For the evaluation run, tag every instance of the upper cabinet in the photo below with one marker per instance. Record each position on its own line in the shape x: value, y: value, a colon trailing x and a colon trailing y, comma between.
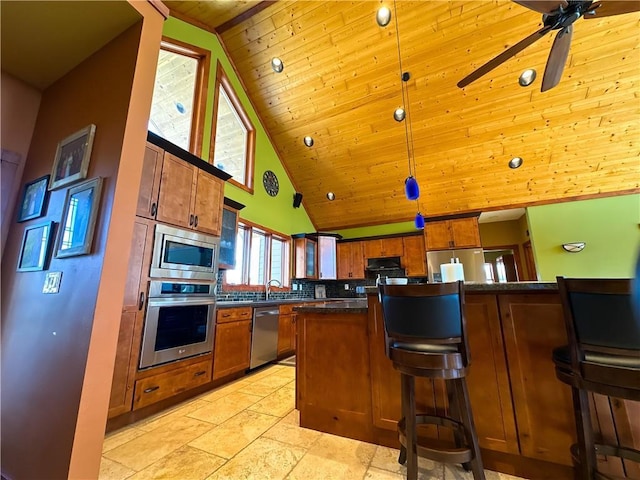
x: 414, y: 259
x: 315, y: 256
x: 327, y: 257
x: 229, y: 233
x: 305, y: 254
x: 383, y: 247
x: 350, y: 260
x: 448, y: 234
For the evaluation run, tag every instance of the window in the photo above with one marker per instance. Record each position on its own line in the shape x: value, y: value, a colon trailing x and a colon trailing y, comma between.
x: 233, y: 135
x: 258, y: 253
x: 177, y: 108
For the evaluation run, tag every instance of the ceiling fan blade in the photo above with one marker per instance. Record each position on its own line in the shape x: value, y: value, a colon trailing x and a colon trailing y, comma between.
x: 614, y: 7
x: 557, y: 58
x: 542, y: 6
x: 504, y: 56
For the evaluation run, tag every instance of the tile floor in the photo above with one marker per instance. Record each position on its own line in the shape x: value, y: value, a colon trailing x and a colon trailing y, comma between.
x: 248, y: 430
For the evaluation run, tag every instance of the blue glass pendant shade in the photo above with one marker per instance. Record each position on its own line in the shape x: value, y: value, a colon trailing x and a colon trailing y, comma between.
x: 411, y: 188
x: 419, y: 221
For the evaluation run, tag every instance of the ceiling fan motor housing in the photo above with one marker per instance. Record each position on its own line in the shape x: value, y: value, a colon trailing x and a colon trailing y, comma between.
x: 563, y: 17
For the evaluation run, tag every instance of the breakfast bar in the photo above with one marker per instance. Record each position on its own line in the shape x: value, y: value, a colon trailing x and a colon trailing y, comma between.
x: 523, y: 414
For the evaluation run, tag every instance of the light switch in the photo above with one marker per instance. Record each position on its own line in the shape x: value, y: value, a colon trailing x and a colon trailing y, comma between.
x: 52, y: 282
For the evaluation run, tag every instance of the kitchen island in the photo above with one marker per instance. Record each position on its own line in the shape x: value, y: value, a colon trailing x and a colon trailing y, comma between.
x: 523, y: 414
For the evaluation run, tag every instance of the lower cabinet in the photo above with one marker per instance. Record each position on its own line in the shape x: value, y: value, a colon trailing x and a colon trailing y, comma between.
x: 232, y: 344
x: 164, y: 385
x: 286, y: 330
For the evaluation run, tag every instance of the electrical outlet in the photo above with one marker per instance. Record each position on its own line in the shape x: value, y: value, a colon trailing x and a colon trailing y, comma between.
x: 346, y: 286
x: 295, y: 287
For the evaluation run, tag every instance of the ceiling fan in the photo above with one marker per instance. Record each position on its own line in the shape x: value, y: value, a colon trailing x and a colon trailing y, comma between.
x: 556, y: 15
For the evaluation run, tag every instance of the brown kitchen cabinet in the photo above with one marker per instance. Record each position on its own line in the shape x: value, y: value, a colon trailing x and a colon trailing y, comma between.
x: 232, y: 346
x: 150, y: 181
x: 383, y: 247
x: 286, y: 330
x: 189, y: 197
x: 305, y: 258
x: 414, y: 257
x: 447, y: 234
x: 350, y: 260
x: 132, y: 319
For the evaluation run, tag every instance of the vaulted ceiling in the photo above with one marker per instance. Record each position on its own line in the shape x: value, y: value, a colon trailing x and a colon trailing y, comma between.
x: 341, y: 84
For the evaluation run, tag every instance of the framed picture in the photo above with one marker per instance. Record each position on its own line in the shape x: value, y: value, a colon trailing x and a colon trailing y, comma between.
x: 35, y: 247
x: 79, y: 219
x: 34, y: 199
x: 72, y: 158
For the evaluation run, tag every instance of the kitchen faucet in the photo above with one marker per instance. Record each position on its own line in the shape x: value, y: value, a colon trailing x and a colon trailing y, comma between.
x: 267, y: 285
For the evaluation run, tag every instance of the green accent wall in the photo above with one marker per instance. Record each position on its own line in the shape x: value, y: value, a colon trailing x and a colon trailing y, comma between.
x: 609, y: 226
x: 276, y: 213
x: 375, y: 230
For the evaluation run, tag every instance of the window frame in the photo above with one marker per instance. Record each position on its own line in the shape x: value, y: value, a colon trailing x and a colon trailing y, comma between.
x: 222, y: 81
x: 201, y: 87
x: 248, y: 227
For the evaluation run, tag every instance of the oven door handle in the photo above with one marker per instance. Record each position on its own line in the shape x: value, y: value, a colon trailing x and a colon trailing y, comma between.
x: 180, y: 301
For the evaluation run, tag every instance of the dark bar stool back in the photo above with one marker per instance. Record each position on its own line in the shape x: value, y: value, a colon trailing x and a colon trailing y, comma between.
x: 603, y: 356
x: 426, y: 337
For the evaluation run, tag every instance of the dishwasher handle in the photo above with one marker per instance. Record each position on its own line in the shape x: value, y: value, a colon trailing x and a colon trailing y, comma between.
x: 263, y: 313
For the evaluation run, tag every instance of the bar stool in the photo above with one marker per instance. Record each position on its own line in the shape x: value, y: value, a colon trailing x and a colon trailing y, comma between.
x: 426, y: 337
x: 603, y: 356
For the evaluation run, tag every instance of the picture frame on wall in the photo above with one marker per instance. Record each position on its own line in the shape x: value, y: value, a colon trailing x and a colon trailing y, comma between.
x: 35, y: 247
x: 34, y: 199
x: 71, y: 162
x: 75, y: 234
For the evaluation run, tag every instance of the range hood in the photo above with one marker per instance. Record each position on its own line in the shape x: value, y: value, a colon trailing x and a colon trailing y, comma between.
x: 383, y: 264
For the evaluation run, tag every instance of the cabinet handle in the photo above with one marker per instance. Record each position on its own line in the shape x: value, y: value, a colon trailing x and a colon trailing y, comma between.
x: 225, y: 315
x: 154, y: 209
x: 141, y: 301
x: 195, y: 222
x: 199, y: 374
x: 151, y: 389
x: 190, y: 220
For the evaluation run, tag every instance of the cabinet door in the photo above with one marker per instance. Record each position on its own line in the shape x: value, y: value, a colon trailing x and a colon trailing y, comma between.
x: 465, y: 232
x: 372, y: 248
x: 174, y: 202
x: 285, y: 340
x: 533, y: 326
x: 310, y: 259
x: 139, y: 262
x: 357, y: 260
x: 228, y: 238
x: 414, y: 258
x: 232, y: 349
x: 207, y: 207
x: 437, y: 235
x: 343, y: 254
x: 150, y: 181
x: 327, y: 258
x: 392, y: 247
x: 488, y: 377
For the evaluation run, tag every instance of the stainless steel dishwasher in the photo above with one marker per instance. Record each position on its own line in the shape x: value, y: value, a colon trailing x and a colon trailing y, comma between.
x: 264, y: 340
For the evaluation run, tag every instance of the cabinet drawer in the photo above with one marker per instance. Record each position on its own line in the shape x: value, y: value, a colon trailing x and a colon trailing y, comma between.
x: 287, y: 309
x: 233, y: 314
x: 153, y: 389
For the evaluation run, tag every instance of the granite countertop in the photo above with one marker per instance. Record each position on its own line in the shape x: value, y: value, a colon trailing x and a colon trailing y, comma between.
x: 356, y: 305
x: 498, y: 287
x: 276, y: 301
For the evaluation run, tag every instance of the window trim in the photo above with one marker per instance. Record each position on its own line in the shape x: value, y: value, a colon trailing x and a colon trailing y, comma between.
x: 243, y: 287
x: 222, y: 81
x: 201, y: 87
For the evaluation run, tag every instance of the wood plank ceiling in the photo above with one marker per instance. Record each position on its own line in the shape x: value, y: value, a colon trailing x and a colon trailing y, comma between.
x: 341, y: 85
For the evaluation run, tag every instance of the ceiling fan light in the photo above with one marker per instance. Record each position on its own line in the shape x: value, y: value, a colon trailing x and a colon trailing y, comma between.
x: 411, y: 188
x: 399, y: 114
x: 308, y: 141
x: 527, y: 77
x: 277, y: 65
x: 383, y: 16
x: 515, y: 162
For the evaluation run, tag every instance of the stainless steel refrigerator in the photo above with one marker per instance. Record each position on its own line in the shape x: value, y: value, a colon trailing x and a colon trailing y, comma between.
x: 472, y: 260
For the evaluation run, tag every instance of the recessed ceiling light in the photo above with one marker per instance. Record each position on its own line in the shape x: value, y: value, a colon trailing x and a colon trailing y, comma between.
x: 308, y: 141
x: 527, y: 77
x: 331, y: 196
x: 383, y: 16
x: 515, y: 162
x: 399, y: 114
x: 277, y: 65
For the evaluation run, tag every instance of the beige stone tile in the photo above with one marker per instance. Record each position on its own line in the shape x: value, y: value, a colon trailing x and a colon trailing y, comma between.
x: 291, y: 384
x: 186, y: 463
x: 377, y: 474
x: 279, y: 403
x: 263, y: 459
x: 387, y: 459
x: 224, y: 408
x: 110, y: 470
x: 288, y: 431
x: 276, y: 381
x: 336, y: 458
x: 456, y: 472
x: 152, y: 446
x: 236, y: 433
x: 260, y: 374
x: 225, y: 390
x: 169, y: 416
x: 120, y: 437
x: 258, y: 389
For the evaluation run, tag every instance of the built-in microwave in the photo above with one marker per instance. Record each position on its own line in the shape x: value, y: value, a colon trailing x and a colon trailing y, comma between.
x: 179, y: 321
x: 184, y: 254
